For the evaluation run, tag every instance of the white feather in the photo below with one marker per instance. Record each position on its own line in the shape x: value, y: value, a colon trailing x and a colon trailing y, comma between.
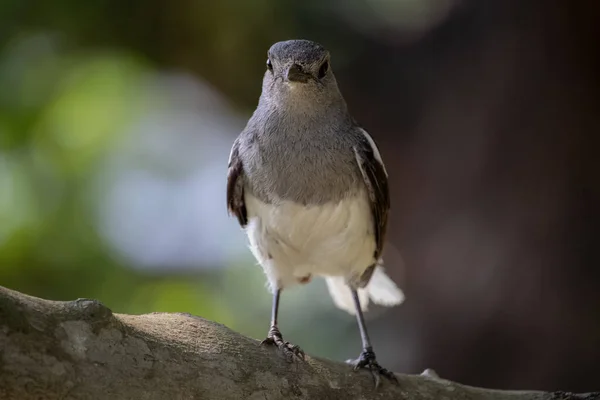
x: 342, y: 297
x: 334, y: 240
x: 292, y: 241
x: 381, y: 290
x: 375, y: 150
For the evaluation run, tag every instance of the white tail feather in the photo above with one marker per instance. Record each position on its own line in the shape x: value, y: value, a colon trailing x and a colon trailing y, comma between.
x: 381, y: 290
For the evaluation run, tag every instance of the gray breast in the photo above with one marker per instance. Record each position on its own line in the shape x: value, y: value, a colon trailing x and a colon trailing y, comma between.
x: 308, y: 162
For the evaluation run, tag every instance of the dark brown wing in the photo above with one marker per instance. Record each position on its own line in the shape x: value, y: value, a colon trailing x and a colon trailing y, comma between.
x: 376, y: 181
x: 235, y: 186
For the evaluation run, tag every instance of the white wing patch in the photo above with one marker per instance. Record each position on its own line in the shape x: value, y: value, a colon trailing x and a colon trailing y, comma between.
x: 374, y: 149
x: 231, y: 153
x: 359, y: 160
x: 368, y: 183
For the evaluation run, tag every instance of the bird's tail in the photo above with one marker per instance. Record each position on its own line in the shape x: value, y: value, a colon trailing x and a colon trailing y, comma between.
x: 381, y: 290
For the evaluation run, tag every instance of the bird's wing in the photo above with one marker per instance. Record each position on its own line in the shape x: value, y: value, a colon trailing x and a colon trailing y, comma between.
x: 235, y: 186
x: 376, y: 181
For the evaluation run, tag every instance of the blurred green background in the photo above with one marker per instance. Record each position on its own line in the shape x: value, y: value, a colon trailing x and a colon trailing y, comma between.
x: 116, y: 121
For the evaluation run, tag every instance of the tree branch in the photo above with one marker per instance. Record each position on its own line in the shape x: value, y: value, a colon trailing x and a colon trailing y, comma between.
x: 81, y: 350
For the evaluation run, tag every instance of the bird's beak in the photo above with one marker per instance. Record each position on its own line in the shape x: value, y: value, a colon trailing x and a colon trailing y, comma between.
x: 295, y: 74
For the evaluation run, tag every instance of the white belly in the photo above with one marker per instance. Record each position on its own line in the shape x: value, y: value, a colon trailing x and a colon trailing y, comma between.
x: 292, y: 242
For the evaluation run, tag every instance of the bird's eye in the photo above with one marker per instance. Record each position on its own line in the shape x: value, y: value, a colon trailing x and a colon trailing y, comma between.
x: 323, y: 70
x: 269, y: 64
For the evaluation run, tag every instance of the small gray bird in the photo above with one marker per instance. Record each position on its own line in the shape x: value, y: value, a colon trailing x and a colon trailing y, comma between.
x: 309, y: 187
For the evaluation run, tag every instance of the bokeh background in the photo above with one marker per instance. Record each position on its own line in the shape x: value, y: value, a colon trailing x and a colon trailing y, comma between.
x: 116, y: 120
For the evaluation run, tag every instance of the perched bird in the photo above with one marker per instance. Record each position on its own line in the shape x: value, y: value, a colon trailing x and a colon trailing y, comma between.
x: 309, y: 187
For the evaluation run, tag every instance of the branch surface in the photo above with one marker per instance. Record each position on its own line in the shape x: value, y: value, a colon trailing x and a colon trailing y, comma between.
x: 81, y: 350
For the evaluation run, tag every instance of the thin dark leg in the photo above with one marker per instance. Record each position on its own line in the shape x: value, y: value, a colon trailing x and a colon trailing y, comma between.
x: 367, y: 357
x: 362, y: 327
x: 274, y: 336
x: 275, y: 309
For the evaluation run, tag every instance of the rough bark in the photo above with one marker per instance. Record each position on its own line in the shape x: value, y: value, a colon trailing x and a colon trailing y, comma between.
x: 81, y: 350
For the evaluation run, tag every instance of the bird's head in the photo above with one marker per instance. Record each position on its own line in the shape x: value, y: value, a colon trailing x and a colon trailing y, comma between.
x: 299, y: 71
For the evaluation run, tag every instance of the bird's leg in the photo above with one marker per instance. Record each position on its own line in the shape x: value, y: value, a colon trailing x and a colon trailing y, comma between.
x: 367, y: 356
x: 289, y: 351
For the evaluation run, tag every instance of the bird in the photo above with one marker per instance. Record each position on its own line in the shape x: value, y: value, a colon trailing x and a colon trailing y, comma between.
x: 309, y: 187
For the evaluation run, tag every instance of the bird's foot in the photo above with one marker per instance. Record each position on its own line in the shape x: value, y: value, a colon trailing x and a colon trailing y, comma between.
x: 367, y: 360
x: 288, y: 350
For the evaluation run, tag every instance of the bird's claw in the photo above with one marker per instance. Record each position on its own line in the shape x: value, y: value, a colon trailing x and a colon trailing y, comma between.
x: 288, y: 350
x: 368, y: 361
